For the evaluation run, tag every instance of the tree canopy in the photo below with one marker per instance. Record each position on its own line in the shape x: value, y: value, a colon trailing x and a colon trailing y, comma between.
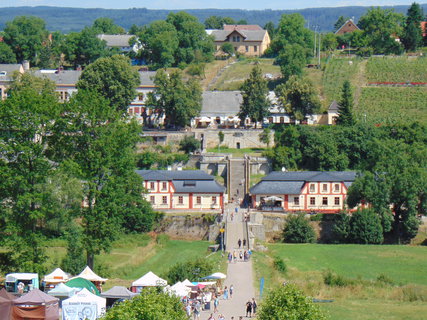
x: 114, y: 78
x: 177, y: 100
x: 255, y: 104
x: 345, y: 106
x: 412, y: 37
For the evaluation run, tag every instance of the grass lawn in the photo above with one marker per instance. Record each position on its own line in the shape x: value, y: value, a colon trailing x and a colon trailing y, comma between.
x: 134, y: 255
x: 234, y: 76
x: 403, y: 298
x: 238, y: 152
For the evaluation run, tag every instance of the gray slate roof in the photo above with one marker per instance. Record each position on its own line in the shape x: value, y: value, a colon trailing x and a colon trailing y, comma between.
x: 278, y: 182
x: 220, y: 103
x: 146, y: 78
x: 184, y: 181
x: 116, y: 40
x: 333, y: 107
x: 60, y: 77
x: 9, y: 69
x: 248, y: 35
x: 277, y: 187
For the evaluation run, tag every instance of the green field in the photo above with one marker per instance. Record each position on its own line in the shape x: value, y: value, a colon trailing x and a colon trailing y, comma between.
x: 233, y: 77
x: 337, y: 71
x: 134, y: 255
x: 404, y: 267
x: 238, y: 152
x: 393, y: 104
x: 396, y: 69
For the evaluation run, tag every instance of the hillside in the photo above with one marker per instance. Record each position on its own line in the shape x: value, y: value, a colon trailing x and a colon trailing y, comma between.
x: 375, y: 103
x: 75, y: 19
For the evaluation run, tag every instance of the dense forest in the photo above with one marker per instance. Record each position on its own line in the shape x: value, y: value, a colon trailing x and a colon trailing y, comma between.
x: 75, y: 19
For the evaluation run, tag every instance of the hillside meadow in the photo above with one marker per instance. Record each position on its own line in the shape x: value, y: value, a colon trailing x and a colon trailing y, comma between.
x: 371, y: 282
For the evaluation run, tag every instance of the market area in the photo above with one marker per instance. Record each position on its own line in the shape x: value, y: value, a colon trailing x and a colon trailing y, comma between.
x: 60, y: 296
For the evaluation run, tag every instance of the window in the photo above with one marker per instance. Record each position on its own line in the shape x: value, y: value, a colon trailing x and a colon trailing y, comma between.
x: 337, y: 201
x: 238, y: 38
x: 337, y: 187
x: 140, y: 96
x: 151, y: 185
x: 296, y: 201
x: 325, y: 201
x: 255, y: 48
x: 164, y: 200
x: 247, y: 49
x: 152, y: 199
x: 312, y: 187
x: 312, y: 201
x: 213, y: 200
x: 199, y: 200
x: 324, y: 187
x: 164, y: 185
x: 180, y: 200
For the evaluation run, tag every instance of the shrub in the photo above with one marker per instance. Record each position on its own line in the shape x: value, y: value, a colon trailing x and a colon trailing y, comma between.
x: 150, y: 304
x: 341, y: 228
x: 288, y: 302
x: 335, y: 280
x: 191, y: 269
x: 383, y: 279
x: 279, y: 265
x: 189, y: 144
x: 365, y: 227
x: 298, y: 229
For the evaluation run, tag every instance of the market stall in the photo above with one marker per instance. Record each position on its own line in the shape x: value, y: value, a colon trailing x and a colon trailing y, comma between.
x: 83, y: 305
x: 148, y: 280
x: 35, y: 305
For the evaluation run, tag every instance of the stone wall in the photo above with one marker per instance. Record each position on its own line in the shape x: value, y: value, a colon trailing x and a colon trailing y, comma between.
x: 188, y: 227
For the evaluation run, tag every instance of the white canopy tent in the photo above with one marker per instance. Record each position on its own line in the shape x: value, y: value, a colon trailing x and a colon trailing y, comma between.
x: 187, y: 283
x: 56, y: 276
x: 88, y: 274
x: 83, y: 305
x: 148, y: 280
x: 180, y: 289
x: 215, y: 276
x: 62, y: 290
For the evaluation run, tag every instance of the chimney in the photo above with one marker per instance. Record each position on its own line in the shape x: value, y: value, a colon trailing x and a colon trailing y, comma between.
x: 26, y: 65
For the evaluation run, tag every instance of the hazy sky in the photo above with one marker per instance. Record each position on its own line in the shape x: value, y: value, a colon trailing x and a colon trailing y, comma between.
x: 197, y: 4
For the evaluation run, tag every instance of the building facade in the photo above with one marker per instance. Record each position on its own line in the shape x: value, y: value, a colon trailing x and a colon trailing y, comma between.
x: 182, y: 190
x: 249, y: 40
x: 307, y: 191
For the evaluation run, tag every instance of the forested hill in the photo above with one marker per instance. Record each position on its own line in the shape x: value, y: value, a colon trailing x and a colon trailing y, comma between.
x: 74, y: 19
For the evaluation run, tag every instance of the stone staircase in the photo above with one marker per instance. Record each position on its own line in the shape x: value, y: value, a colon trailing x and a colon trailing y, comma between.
x: 236, y: 179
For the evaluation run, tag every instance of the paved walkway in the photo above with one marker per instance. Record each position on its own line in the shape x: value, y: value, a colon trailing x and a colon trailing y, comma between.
x: 239, y: 274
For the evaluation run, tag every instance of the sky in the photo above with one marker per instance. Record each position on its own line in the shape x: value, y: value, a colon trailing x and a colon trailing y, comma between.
x: 200, y: 4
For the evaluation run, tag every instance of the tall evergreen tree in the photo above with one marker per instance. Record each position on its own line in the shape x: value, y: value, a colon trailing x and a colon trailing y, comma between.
x: 412, y: 34
x: 255, y: 102
x: 345, y: 108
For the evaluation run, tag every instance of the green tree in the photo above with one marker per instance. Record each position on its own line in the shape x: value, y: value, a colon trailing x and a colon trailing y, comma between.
x: 298, y: 97
x: 365, y: 227
x: 106, y: 26
x: 264, y: 136
x: 217, y: 22
x: 340, y: 21
x: 112, y: 189
x: 179, y: 101
x: 74, y: 261
x: 345, y: 106
x: 291, y: 32
x: 160, y: 41
x: 193, y: 270
x: 26, y: 119
x: 228, y: 48
x: 150, y: 304
x: 255, y: 104
x: 329, y: 42
x: 6, y: 54
x: 192, y: 38
x: 380, y: 27
x: 298, y: 229
x: 412, y: 37
x: 189, y: 144
x: 341, y: 228
x: 288, y: 302
x: 220, y: 138
x: 114, y: 78
x: 395, y: 178
x: 271, y: 28
x: 83, y: 48
x: 26, y: 37
x: 292, y: 61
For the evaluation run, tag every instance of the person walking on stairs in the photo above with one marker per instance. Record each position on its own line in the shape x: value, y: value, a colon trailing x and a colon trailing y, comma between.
x: 249, y: 308
x: 239, y: 242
